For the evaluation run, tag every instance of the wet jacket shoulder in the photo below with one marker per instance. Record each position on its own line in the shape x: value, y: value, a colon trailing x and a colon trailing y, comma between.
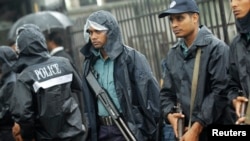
x: 63, y: 53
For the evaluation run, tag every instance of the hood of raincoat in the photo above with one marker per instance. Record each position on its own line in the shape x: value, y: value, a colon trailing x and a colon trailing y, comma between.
x: 31, y: 46
x: 113, y: 46
x: 7, y: 58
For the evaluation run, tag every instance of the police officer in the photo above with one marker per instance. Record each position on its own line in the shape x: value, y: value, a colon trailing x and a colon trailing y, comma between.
x: 7, y: 82
x: 45, y: 103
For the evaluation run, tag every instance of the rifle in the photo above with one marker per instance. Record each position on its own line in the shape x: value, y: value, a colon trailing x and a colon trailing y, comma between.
x: 244, y: 109
x: 110, y: 107
x: 180, y: 122
x: 243, y: 106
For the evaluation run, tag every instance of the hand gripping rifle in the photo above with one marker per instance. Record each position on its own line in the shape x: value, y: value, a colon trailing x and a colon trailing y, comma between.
x: 110, y: 107
x: 245, y: 109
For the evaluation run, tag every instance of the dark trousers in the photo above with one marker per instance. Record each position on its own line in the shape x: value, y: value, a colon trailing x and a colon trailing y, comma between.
x: 110, y: 133
x: 168, y: 134
x: 6, y: 135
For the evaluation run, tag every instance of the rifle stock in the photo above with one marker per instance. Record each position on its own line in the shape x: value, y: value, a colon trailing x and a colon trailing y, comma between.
x: 108, y: 104
x: 110, y: 107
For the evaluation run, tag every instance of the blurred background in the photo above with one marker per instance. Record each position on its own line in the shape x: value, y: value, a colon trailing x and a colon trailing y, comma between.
x: 138, y: 19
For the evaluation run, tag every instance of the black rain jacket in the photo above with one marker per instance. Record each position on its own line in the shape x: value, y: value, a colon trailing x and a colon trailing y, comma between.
x: 136, y: 87
x: 240, y: 60
x: 44, y: 103
x: 211, y: 98
x: 7, y: 82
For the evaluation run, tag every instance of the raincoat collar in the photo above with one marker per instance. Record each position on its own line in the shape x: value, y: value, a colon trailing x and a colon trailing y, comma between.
x: 243, y: 24
x: 204, y: 36
x: 57, y: 49
x: 114, y: 45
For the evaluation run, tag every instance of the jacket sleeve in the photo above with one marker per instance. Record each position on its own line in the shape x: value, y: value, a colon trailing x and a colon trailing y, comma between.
x: 22, y: 109
x: 167, y: 94
x: 234, y: 82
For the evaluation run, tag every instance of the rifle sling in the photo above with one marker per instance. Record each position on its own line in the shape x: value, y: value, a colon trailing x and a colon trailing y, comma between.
x: 194, y: 83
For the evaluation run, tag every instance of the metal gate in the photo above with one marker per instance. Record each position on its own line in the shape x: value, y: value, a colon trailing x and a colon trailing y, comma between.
x: 143, y: 30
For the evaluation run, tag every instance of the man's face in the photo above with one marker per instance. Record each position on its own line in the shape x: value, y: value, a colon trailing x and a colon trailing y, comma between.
x: 183, y: 24
x: 240, y: 8
x: 49, y: 45
x: 98, y: 37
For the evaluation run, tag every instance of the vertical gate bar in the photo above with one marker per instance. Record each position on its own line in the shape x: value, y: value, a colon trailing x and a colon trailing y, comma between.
x: 216, y: 19
x: 154, y: 46
x: 210, y: 16
x: 224, y: 21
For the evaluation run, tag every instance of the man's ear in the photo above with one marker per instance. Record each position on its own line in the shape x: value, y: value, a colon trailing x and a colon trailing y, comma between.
x: 195, y: 17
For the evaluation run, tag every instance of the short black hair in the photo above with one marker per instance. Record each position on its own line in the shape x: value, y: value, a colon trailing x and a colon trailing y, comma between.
x: 11, y: 42
x: 56, y: 37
